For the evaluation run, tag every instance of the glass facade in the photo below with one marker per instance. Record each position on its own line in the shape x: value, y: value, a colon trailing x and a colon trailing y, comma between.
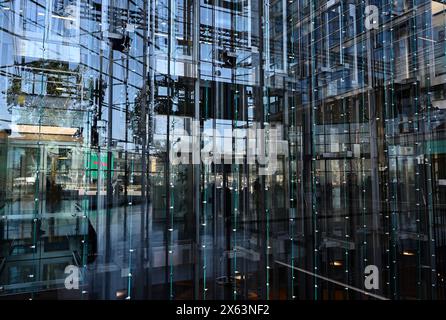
x: 222, y: 149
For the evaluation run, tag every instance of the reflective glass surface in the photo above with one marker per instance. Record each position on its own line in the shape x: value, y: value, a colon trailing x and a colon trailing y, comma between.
x: 222, y: 149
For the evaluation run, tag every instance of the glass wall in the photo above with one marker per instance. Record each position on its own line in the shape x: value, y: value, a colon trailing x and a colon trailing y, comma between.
x: 213, y: 149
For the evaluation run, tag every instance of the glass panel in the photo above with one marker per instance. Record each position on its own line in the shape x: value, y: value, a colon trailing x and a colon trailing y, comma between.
x: 222, y: 149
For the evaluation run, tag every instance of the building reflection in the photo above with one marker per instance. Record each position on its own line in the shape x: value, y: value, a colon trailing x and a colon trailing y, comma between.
x: 98, y: 96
